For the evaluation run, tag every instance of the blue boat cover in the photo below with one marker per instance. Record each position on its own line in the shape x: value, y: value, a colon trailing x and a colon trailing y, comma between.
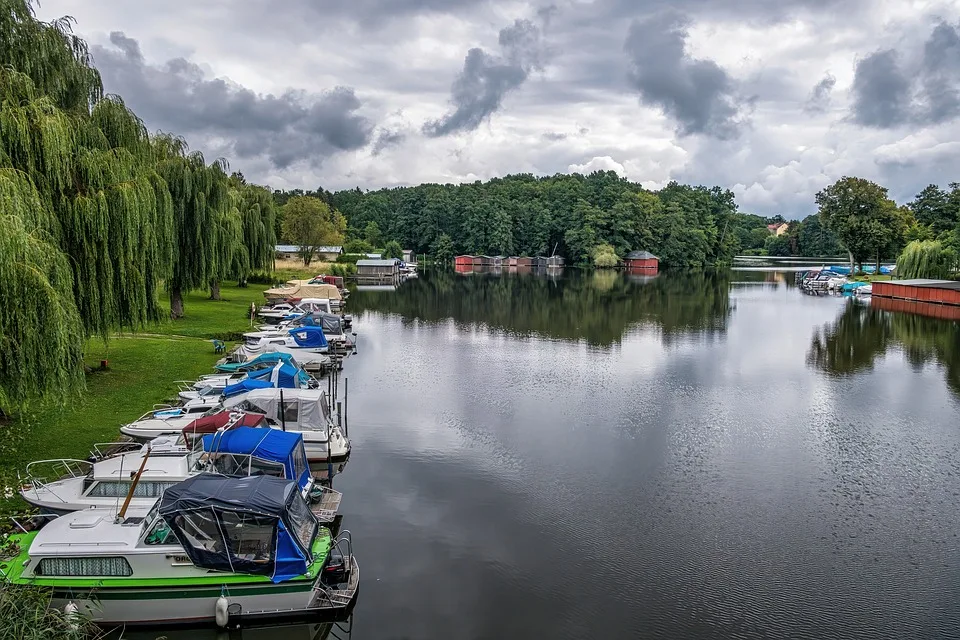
x: 245, y: 385
x: 212, y: 516
x: 284, y: 447
x: 309, y: 337
x: 288, y: 376
x: 263, y: 360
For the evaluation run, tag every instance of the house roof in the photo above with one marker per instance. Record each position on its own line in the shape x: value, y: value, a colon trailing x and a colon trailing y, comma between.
x: 377, y: 263
x: 292, y: 248
x: 640, y: 255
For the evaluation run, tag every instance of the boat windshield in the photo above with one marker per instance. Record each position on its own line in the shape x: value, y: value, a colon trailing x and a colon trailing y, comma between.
x: 156, y: 529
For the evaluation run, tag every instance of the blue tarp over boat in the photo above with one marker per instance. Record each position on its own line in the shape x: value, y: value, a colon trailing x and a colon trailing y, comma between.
x: 287, y: 376
x: 311, y: 337
x: 245, y: 385
x: 284, y: 447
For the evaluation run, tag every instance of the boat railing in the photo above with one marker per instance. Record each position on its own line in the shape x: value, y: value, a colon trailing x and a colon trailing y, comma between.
x: 38, y: 472
x: 103, y: 450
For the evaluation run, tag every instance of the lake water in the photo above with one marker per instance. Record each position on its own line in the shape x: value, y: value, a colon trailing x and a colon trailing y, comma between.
x: 690, y: 456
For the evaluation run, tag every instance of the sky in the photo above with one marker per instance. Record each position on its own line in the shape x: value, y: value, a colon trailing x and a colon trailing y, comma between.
x: 771, y: 99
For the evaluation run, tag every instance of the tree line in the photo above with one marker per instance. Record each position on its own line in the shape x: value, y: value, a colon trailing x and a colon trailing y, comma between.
x: 597, y: 219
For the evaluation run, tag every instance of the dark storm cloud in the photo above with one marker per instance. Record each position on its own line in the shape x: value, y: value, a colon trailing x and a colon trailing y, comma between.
x: 888, y: 93
x: 881, y: 91
x: 177, y: 97
x: 698, y: 94
x: 387, y: 138
x: 479, y: 89
x: 941, y: 75
x: 820, y: 96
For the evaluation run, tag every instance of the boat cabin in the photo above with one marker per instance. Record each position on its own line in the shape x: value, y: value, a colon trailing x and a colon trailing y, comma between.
x: 258, y: 525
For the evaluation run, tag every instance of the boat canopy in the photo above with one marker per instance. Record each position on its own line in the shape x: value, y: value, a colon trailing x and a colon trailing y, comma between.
x: 309, y: 337
x: 283, y: 447
x: 328, y: 322
x: 283, y: 375
x: 298, y: 410
x: 244, y: 386
x: 257, y: 524
x: 263, y: 360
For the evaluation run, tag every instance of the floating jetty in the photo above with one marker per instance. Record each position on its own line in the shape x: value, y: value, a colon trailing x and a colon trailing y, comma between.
x: 946, y: 292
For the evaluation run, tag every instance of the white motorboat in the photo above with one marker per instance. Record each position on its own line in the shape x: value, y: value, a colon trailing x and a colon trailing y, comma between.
x: 307, y: 345
x: 239, y: 451
x: 166, y: 420
x: 212, y: 549
x: 306, y: 411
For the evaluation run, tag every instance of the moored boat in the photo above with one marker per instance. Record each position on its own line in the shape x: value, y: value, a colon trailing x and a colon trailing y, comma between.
x: 239, y: 451
x: 211, y: 550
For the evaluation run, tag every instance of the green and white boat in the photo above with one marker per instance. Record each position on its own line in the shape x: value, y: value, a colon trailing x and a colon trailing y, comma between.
x: 213, y: 549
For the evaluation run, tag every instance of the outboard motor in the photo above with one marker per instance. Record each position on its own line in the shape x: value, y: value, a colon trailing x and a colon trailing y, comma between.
x: 335, y: 570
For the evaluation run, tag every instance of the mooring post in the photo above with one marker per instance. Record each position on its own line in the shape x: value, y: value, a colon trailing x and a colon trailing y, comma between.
x: 346, y: 400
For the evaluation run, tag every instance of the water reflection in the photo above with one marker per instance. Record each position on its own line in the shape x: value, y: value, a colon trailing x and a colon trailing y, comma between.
x: 330, y: 630
x: 866, y: 331
x: 598, y: 307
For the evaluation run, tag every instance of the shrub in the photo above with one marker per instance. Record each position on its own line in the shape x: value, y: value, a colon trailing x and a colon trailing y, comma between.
x: 605, y: 257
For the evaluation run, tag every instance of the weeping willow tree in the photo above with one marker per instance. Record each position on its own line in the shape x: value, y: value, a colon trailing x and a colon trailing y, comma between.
x: 926, y: 259
x: 205, y: 227
x: 40, y: 329
x: 87, y: 220
x: 258, y: 212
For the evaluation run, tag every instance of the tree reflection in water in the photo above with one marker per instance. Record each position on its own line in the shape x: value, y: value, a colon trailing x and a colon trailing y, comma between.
x: 863, y: 333
x: 598, y: 307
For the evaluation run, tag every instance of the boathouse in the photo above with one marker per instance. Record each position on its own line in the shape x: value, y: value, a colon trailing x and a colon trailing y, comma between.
x: 920, y: 290
x: 641, y: 261
x: 378, y: 269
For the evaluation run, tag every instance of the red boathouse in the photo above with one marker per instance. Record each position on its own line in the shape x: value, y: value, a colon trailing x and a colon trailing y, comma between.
x: 643, y: 261
x: 921, y: 290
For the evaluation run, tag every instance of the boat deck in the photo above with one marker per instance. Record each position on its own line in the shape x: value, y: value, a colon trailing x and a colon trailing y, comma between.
x: 325, y: 509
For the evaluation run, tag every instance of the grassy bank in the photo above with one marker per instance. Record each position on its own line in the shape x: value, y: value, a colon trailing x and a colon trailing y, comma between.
x: 142, y: 371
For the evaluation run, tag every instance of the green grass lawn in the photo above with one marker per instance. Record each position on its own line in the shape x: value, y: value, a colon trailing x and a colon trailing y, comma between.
x: 205, y: 318
x: 142, y: 371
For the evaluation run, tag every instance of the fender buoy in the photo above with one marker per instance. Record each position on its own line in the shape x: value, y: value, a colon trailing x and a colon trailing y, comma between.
x: 72, y: 614
x: 222, y: 613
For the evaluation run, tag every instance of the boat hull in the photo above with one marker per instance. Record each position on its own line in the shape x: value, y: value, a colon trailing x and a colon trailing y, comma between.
x: 186, y: 605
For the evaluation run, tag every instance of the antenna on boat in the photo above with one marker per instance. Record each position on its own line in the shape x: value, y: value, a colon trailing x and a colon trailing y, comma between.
x: 133, y: 487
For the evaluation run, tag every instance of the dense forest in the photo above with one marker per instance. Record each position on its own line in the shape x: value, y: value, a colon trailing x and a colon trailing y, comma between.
x: 571, y: 215
x: 583, y: 217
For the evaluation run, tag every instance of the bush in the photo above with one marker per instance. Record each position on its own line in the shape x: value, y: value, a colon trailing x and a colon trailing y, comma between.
x: 393, y: 250
x: 26, y: 615
x: 351, y: 258
x: 605, y: 257
x: 357, y: 246
x: 343, y: 270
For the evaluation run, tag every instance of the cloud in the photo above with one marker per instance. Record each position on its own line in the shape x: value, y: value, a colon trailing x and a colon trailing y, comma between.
x: 600, y: 163
x: 893, y: 88
x: 881, y: 91
x: 820, y: 96
x: 697, y: 93
x: 387, y: 138
x: 178, y: 97
x: 940, y: 75
x: 478, y: 91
